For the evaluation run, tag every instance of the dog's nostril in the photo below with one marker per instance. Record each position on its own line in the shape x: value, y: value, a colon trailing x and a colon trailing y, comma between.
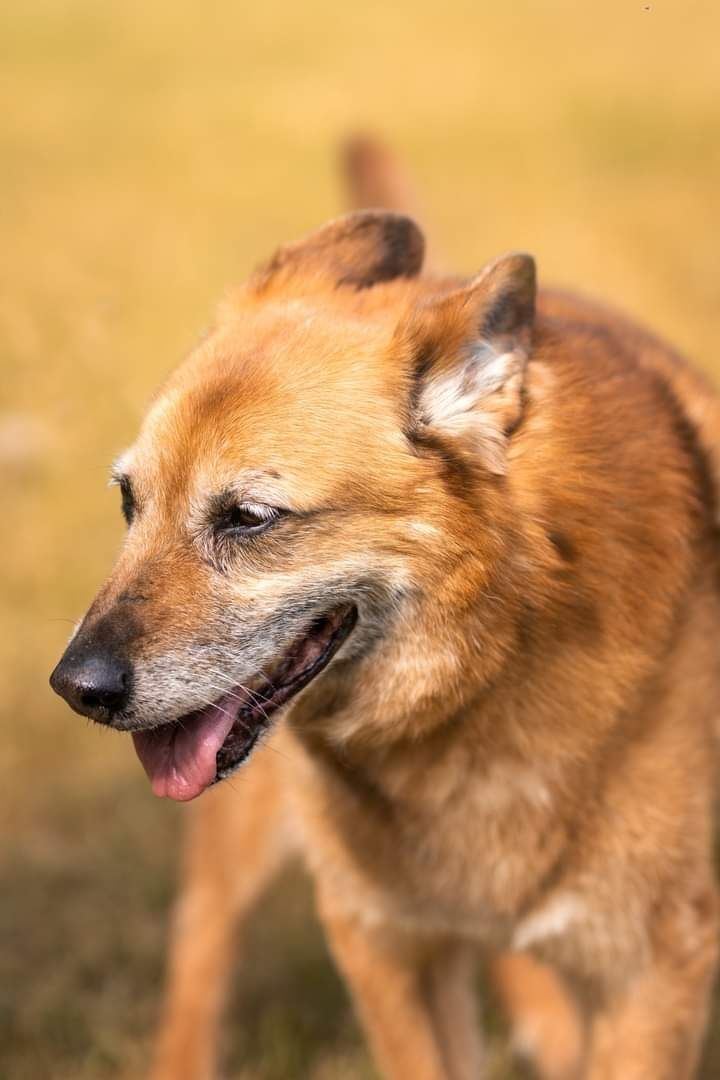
x: 94, y: 684
x: 94, y: 697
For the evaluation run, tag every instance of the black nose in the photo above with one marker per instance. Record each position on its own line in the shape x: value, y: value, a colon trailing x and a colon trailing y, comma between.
x: 94, y: 683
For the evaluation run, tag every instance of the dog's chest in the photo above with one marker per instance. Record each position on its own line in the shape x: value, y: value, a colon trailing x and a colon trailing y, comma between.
x: 441, y: 849
x: 479, y: 856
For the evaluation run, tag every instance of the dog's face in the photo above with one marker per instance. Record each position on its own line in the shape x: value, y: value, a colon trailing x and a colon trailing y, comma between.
x: 300, y: 488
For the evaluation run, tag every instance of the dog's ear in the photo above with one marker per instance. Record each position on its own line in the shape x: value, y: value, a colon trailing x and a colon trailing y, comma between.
x: 357, y: 250
x: 468, y: 351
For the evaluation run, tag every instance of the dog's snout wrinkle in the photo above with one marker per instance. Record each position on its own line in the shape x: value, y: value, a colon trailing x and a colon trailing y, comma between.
x: 131, y: 597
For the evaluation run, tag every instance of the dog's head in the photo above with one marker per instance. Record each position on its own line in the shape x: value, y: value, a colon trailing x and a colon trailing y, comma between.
x: 313, y: 488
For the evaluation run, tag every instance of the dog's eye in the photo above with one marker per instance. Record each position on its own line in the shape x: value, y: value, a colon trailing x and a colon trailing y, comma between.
x: 127, y: 500
x: 245, y: 519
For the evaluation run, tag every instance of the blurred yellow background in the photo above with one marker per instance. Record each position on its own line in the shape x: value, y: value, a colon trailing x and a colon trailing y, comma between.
x: 150, y: 154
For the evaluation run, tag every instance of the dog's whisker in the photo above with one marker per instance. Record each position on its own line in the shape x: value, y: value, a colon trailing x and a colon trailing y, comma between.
x: 256, y: 695
x: 231, y: 683
x: 237, y: 718
x: 238, y: 697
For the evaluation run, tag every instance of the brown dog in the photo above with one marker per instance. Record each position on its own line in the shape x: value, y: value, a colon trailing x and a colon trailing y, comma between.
x: 473, y: 538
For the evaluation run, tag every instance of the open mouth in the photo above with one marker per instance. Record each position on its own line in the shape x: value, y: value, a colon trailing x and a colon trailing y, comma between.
x: 185, y: 757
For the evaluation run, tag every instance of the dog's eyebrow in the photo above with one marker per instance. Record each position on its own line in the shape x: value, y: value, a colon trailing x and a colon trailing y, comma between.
x: 259, y: 484
x: 117, y: 476
x: 119, y: 469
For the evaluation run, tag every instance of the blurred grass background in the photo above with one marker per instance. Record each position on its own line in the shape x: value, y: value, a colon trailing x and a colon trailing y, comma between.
x: 150, y: 154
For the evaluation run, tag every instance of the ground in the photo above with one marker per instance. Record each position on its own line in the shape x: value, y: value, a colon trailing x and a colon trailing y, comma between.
x: 151, y: 154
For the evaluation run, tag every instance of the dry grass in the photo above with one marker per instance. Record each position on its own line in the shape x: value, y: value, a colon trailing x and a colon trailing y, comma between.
x: 150, y: 154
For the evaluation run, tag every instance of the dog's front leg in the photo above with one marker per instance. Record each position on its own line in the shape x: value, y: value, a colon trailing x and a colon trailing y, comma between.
x: 453, y: 999
x: 415, y: 998
x: 547, y: 1024
x: 236, y: 843
x: 652, y: 1029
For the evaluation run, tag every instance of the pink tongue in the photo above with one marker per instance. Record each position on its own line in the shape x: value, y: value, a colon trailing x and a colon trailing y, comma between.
x: 180, y: 760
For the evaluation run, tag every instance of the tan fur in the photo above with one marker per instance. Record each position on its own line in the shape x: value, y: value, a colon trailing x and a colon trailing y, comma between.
x: 514, y: 749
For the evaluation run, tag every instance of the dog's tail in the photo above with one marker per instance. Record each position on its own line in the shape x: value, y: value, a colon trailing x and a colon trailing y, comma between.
x: 374, y: 177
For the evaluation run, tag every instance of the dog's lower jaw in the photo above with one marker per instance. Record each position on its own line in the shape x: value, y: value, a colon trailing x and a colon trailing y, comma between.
x: 185, y: 757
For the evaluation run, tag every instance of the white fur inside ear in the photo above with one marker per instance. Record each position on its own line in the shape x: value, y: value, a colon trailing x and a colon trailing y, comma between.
x: 469, y: 399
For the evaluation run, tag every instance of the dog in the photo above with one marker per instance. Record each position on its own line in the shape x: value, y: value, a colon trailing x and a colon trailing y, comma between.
x: 450, y: 546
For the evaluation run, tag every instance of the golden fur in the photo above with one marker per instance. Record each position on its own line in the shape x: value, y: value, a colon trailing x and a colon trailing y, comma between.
x: 515, y: 748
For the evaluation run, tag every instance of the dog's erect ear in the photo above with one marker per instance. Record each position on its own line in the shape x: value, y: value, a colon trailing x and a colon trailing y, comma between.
x: 357, y: 250
x: 469, y: 350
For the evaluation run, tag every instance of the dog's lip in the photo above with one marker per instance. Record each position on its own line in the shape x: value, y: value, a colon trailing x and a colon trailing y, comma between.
x: 186, y: 756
